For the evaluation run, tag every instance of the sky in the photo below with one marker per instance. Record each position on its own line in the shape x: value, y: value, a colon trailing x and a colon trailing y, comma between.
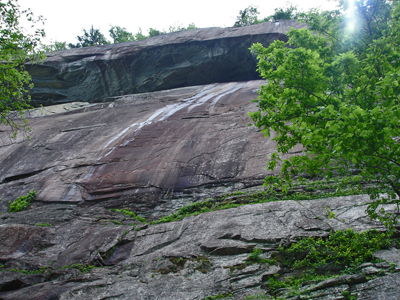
x: 66, y: 19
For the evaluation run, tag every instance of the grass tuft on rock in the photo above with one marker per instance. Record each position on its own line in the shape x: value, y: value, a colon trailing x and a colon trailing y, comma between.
x: 237, y: 199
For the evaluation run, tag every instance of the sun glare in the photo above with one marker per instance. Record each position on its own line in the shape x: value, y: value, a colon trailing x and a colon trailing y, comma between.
x: 351, y: 25
x: 351, y: 16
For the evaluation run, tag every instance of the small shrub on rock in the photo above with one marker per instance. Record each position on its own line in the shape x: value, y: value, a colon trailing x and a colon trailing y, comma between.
x: 342, y: 248
x: 22, y: 202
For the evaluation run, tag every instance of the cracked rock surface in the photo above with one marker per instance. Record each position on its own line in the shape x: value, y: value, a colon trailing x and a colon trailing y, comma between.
x: 153, y: 152
x: 190, y: 259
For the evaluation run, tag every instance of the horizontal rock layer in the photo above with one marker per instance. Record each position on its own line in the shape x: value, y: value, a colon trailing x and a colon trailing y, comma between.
x: 186, y: 58
x: 190, y: 259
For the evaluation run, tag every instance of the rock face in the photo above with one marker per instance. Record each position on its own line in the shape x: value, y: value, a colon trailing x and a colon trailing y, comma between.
x: 175, y: 145
x: 154, y: 153
x: 186, y: 58
x: 197, y: 257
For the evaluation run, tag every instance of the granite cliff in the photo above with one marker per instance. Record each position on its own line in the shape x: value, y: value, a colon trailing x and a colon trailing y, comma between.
x: 180, y: 59
x: 145, y: 130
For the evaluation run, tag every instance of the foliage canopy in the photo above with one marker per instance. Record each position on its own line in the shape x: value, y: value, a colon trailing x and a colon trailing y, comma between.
x: 55, y: 46
x: 246, y: 17
x: 334, y: 89
x: 120, y: 35
x: 91, y: 37
x: 249, y: 16
x: 285, y: 13
x: 16, y: 48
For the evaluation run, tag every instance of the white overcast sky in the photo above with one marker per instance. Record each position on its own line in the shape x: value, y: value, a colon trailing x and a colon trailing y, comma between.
x: 66, y: 19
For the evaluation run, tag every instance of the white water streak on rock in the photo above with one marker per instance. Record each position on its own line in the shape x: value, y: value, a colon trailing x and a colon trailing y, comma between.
x: 109, y: 152
x: 90, y: 173
x: 236, y: 87
x: 171, y: 109
x: 119, y: 134
x: 202, y: 101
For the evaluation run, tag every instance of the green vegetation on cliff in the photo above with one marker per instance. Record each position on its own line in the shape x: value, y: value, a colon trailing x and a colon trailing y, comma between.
x: 314, y: 190
x: 118, y: 34
x: 310, y: 264
x: 249, y: 16
x: 91, y: 37
x: 16, y: 47
x: 22, y: 203
x: 335, y: 89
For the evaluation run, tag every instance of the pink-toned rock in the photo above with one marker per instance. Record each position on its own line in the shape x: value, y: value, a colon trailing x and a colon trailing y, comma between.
x: 149, y: 151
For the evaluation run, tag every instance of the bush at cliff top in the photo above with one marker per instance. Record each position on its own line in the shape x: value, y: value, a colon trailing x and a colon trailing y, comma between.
x: 334, y: 89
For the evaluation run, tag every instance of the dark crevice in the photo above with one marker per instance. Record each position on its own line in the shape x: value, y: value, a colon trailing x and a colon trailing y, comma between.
x: 269, y: 241
x: 159, y: 246
x: 83, y: 127
x: 197, y: 117
x: 96, y: 164
x: 12, y: 285
x: 22, y: 176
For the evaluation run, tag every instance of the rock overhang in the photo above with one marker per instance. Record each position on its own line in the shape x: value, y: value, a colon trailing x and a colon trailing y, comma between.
x: 186, y: 58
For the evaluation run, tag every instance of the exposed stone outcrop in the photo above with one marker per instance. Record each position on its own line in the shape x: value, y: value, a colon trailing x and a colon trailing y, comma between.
x: 178, y: 145
x: 190, y: 259
x: 154, y: 153
x: 186, y: 58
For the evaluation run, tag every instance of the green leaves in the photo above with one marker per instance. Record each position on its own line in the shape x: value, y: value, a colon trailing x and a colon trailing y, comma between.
x: 246, y: 17
x: 341, y: 248
x: 22, y: 203
x: 120, y: 34
x: 93, y: 37
x: 336, y: 93
x: 16, y: 48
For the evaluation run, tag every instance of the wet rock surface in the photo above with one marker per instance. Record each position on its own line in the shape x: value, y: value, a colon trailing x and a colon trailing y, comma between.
x: 196, y: 257
x: 153, y: 152
x: 186, y: 58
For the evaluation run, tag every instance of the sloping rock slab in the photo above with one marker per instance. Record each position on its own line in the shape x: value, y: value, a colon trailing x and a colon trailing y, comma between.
x: 174, y: 145
x: 186, y: 58
x: 189, y: 259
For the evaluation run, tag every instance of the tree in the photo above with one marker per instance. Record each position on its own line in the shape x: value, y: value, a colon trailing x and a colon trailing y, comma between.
x: 93, y: 37
x: 155, y: 32
x: 58, y: 46
x: 55, y: 46
x: 178, y: 27
x: 120, y: 35
x: 139, y: 35
x: 246, y: 17
x: 334, y: 89
x: 284, y: 13
x: 16, y: 48
x: 191, y: 26
x: 249, y: 16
